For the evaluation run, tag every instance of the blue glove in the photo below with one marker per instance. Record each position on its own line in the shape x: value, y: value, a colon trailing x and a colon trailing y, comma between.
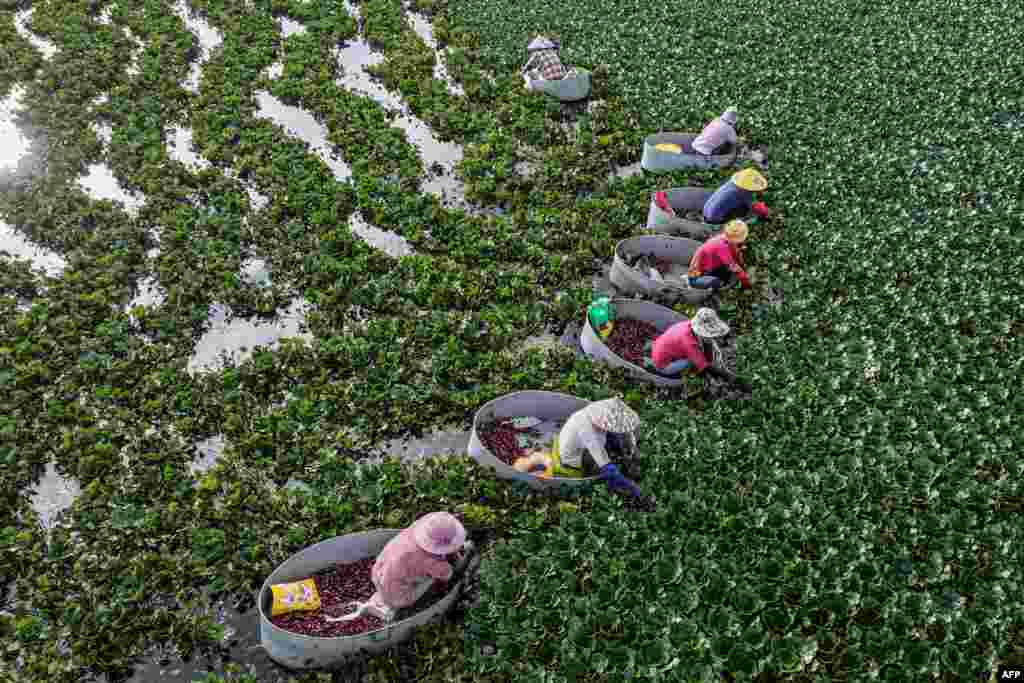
x: 616, y: 482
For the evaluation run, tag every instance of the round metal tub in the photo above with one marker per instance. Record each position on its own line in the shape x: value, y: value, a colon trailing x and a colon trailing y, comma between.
x: 678, y: 250
x: 546, y: 405
x: 682, y: 200
x: 569, y: 89
x: 297, y: 651
x: 659, y: 316
x: 657, y: 161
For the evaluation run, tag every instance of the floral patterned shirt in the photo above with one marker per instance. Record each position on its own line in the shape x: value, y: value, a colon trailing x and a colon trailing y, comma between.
x: 401, y: 567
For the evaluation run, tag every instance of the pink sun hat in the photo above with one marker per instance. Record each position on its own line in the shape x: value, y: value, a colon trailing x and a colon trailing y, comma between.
x: 439, y: 533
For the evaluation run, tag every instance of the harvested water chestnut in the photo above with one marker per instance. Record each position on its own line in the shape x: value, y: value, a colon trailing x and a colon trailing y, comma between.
x: 629, y: 337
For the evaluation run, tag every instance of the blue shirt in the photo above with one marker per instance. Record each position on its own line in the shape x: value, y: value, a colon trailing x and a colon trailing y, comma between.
x: 726, y: 199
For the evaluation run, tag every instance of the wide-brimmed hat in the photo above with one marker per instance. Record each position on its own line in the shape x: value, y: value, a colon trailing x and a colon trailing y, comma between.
x: 736, y: 231
x: 543, y: 43
x: 707, y: 324
x: 439, y: 533
x: 612, y: 415
x: 730, y: 116
x: 749, y: 179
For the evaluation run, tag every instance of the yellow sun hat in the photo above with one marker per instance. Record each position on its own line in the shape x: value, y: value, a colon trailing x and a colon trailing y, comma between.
x: 736, y: 231
x: 750, y: 180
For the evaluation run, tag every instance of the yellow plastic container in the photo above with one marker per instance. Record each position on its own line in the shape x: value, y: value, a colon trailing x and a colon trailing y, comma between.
x: 669, y: 147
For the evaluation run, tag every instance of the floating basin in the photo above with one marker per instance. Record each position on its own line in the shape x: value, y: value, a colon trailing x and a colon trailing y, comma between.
x: 645, y: 311
x: 678, y: 250
x: 569, y: 89
x: 683, y: 200
x: 658, y: 161
x: 296, y: 651
x: 546, y: 405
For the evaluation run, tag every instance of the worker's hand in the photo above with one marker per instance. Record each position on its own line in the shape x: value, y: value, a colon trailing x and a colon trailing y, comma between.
x: 617, y: 483
x: 744, y: 280
x: 761, y: 210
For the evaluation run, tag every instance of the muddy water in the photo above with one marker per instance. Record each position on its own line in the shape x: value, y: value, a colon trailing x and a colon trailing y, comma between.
x: 301, y: 124
x: 237, y: 338
x: 209, y: 40
x: 23, y: 23
x: 451, y: 440
x: 15, y: 244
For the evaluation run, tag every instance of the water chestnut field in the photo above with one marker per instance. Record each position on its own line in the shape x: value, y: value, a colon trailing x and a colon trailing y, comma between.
x: 246, y: 243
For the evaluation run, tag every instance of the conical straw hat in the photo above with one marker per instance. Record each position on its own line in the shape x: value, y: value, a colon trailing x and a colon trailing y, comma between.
x: 612, y: 415
x: 749, y: 179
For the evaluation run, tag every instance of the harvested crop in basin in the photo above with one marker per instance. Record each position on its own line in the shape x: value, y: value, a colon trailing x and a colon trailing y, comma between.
x: 628, y: 338
x: 502, y: 439
x: 341, y: 584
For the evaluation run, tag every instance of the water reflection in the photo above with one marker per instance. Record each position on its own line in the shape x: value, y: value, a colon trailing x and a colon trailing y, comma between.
x: 53, y: 494
x: 208, y: 452
x: 16, y: 245
x: 209, y: 40
x: 181, y: 148
x: 436, y: 154
x: 423, y: 28
x: 13, y: 144
x: 290, y: 27
x: 301, y: 124
x: 22, y: 24
x: 237, y: 338
x: 100, y: 184
x: 137, y: 50
x: 391, y: 244
x: 149, y: 294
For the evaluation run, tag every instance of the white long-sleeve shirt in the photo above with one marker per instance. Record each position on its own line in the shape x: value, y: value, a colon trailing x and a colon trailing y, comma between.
x: 579, y: 435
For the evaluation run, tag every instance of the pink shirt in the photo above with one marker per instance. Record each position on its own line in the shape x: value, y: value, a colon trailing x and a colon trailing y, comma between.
x: 714, y: 253
x: 399, y: 567
x: 676, y: 343
x: 716, y: 133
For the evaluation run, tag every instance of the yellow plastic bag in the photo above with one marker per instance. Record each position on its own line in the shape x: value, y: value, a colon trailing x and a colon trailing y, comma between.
x: 669, y: 147
x: 301, y: 596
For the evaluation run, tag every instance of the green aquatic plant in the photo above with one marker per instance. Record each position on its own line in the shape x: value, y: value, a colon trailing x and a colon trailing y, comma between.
x: 823, y: 528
